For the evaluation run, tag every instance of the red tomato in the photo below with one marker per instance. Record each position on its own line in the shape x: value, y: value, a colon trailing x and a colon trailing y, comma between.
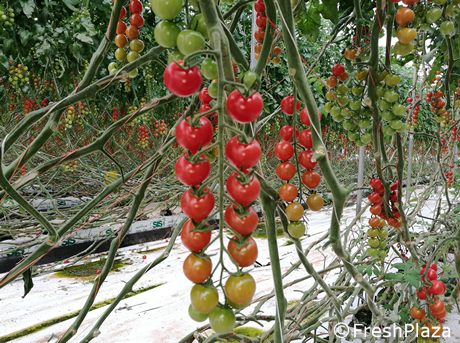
x: 196, y: 207
x: 243, y: 156
x: 135, y: 6
x: 136, y: 20
x: 204, y: 96
x: 409, y: 2
x: 121, y: 28
x: 259, y: 6
x: 285, y: 171
x: 243, y: 193
x: 437, y: 287
x: 287, y: 133
x: 193, y: 138
x: 375, y: 198
x: 432, y: 275
x: 261, y: 21
x: 259, y: 35
x: 244, y: 110
x: 438, y: 308
x: 122, y: 12
x: 192, y: 174
x: 288, y: 192
x: 197, y: 268
x: 284, y: 151
x: 305, y: 117
x: 244, y: 224
x: 306, y: 159
x: 244, y: 252
x: 338, y: 69
x: 182, y: 81
x: 194, y: 241
x: 287, y: 105
x: 421, y: 293
x: 417, y: 313
x: 377, y: 185
x: 132, y: 32
x: 305, y: 139
x: 311, y: 179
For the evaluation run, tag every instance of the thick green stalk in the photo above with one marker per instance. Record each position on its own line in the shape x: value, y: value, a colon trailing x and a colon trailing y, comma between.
x: 269, y: 208
x: 338, y: 191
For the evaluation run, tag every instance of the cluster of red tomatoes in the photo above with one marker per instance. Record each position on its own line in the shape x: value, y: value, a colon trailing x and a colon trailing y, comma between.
x: 261, y: 22
x: 129, y: 34
x: 376, y: 199
x: 415, y: 110
x: 438, y: 107
x: 143, y: 136
x: 432, y: 294
x: 285, y: 150
x: 450, y: 175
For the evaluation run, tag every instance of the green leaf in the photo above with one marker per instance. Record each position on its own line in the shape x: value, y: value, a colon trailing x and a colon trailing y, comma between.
x: 309, y: 22
x: 394, y: 276
x: 71, y: 4
x: 84, y: 38
x: 413, y: 278
x: 330, y: 11
x: 28, y: 283
x: 28, y: 7
x: 25, y: 36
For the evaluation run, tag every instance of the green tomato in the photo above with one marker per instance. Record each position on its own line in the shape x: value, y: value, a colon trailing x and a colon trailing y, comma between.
x: 132, y: 56
x: 373, y: 243
x: 348, y: 125
x: 364, y: 124
x: 357, y: 90
x: 439, y: 2
x: 392, y: 80
x: 382, y: 75
x: 353, y: 136
x: 166, y: 9
x: 433, y: 15
x: 166, y: 33
x: 342, y: 100
x: 335, y: 111
x: 404, y: 49
x: 383, y: 233
x: 136, y: 45
x: 222, y: 320
x: 342, y: 89
x: 388, y: 131
x: 366, y: 138
x: 120, y: 54
x: 391, y: 96
x: 380, y: 91
x: 189, y: 41
x: 447, y: 28
x: 175, y: 56
x: 112, y: 67
x: 373, y: 252
x: 204, y: 299
x: 209, y: 68
x: 213, y: 89
x: 397, y: 125
x: 327, y: 107
x: 398, y: 110
x: 383, y: 104
x: 296, y: 229
x: 387, y: 116
x: 198, y: 24
x: 355, y: 105
x: 195, y: 315
x: 383, y: 245
x: 452, y: 10
x: 382, y: 254
x: 133, y: 73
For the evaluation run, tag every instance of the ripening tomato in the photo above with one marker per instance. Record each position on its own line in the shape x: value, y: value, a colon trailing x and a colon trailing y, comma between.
x: 132, y: 32
x: 284, y: 151
x: 404, y: 16
x: 409, y: 2
x: 136, y: 20
x: 245, y: 223
x: 417, y: 313
x: 437, y: 288
x: 121, y: 28
x: 194, y: 137
x: 287, y: 133
x: 285, y: 171
x: 121, y: 40
x: 294, y: 211
x: 288, y: 192
x: 243, y: 252
x: 222, y: 320
x: 287, y: 105
x: 197, y: 268
x: 305, y: 139
x: 315, y: 202
x: 195, y: 315
x: 197, y: 207
x: 406, y: 35
x: 192, y: 174
x: 244, y: 110
x: 306, y: 159
x: 243, y: 156
x: 204, y: 299
x: 180, y: 80
x: 296, y: 229
x: 437, y: 308
x: 376, y: 209
x: 311, y: 179
x: 376, y: 223
x: 331, y: 81
x: 259, y: 35
x: 239, y: 290
x: 194, y: 241
x: 244, y: 193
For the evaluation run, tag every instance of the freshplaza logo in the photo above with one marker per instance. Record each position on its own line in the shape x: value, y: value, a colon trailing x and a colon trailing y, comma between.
x: 342, y: 330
